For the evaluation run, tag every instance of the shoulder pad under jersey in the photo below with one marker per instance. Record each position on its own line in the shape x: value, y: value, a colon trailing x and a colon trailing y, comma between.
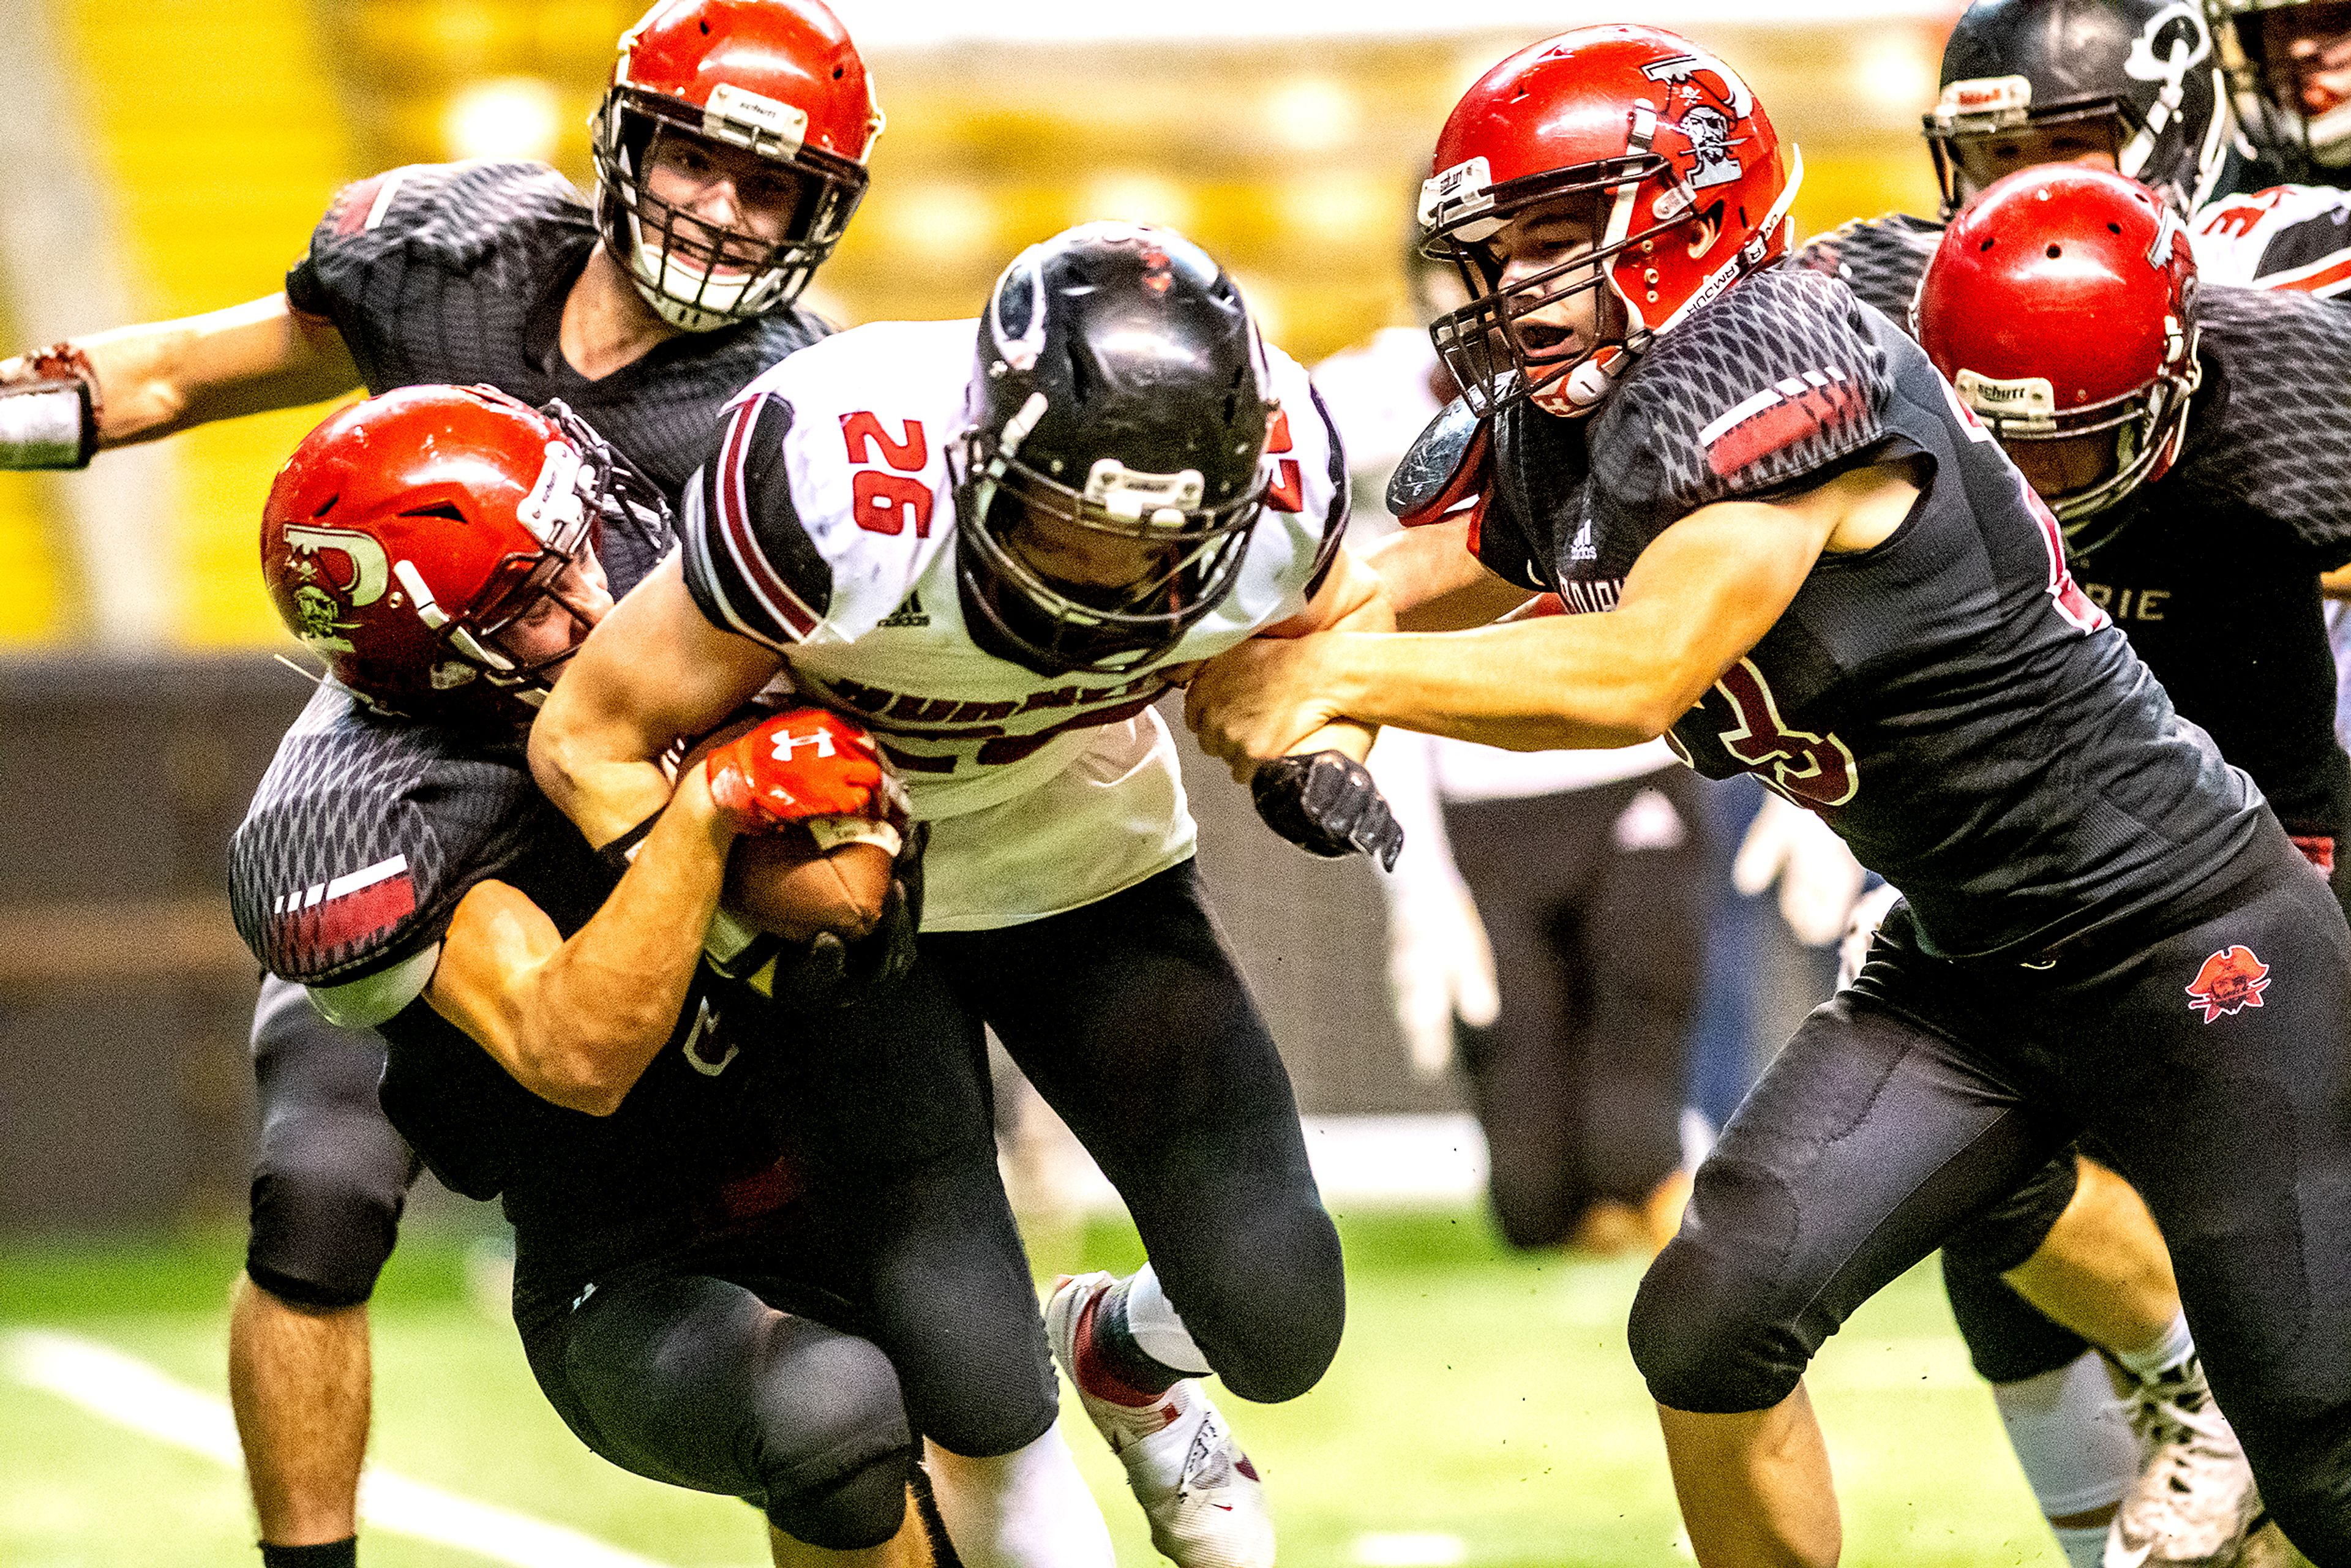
x: 364, y: 833
x: 2295, y: 237
x: 2273, y: 436
x: 1779, y: 380
x: 1881, y: 259
x: 1445, y: 468
x: 454, y: 215
x: 829, y: 493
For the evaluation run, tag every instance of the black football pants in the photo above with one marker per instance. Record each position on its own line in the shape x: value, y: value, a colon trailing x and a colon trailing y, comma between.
x: 1132, y: 1019
x: 1931, y: 1090
x: 330, y: 1177
x: 1579, y: 1082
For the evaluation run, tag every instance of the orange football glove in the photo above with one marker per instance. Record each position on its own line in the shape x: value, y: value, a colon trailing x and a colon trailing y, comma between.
x: 804, y: 762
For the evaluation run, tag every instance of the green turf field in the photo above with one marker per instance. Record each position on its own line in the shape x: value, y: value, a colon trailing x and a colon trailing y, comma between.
x: 1479, y: 1396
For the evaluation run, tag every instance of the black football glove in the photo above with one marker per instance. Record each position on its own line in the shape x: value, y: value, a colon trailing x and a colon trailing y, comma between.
x: 827, y: 972
x: 1327, y: 804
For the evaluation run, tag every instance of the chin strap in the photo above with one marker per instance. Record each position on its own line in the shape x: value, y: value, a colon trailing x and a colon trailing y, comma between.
x: 48, y: 410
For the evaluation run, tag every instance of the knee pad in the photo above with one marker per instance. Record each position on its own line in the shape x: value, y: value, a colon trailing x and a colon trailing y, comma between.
x: 1279, y: 1327
x: 2007, y: 1338
x: 854, y: 1513
x: 1704, y: 1330
x: 320, y: 1232
x: 834, y: 1449
x: 2010, y: 1231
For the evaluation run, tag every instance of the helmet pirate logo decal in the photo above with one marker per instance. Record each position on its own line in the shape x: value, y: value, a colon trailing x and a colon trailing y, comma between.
x: 1705, y: 103
x: 318, y: 617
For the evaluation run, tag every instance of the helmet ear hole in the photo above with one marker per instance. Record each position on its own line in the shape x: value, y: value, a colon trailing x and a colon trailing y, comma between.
x: 2055, y: 251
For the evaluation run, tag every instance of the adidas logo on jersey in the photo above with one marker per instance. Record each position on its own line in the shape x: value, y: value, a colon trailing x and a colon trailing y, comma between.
x: 1581, y: 546
x: 910, y: 613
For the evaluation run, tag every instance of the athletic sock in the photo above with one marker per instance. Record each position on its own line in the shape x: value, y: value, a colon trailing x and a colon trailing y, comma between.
x: 2072, y: 1436
x: 2084, y: 1545
x: 2174, y: 1350
x: 1027, y: 1508
x: 1157, y: 1327
x: 344, y: 1554
x: 1110, y: 1363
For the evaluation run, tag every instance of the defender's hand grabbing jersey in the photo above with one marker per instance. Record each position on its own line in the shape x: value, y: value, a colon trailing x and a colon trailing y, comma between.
x: 1913, y: 692
x: 825, y: 527
x: 458, y: 273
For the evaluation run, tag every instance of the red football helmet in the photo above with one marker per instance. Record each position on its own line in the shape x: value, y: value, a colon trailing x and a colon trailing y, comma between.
x: 2061, y: 304
x: 777, y: 78
x: 409, y: 531
x: 1663, y: 139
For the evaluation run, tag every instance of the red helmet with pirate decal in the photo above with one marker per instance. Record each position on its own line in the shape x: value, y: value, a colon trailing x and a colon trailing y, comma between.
x: 409, y: 532
x: 1664, y: 139
x: 2060, y: 304
x: 779, y: 79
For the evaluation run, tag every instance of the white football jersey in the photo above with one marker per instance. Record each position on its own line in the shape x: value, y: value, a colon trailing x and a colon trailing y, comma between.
x: 2295, y: 237
x: 825, y: 529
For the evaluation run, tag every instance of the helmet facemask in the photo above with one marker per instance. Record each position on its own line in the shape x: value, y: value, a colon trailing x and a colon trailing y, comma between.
x: 1972, y: 150
x: 1016, y: 523
x: 1496, y: 349
x: 579, y: 486
x: 2143, y: 429
x: 701, y: 276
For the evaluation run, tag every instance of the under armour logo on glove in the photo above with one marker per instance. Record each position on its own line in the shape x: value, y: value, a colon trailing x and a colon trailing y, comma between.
x: 1326, y: 804
x: 804, y: 762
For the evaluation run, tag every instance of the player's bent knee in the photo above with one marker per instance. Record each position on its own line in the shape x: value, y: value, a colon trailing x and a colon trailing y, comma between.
x: 1701, y: 1342
x: 1298, y: 1316
x: 320, y: 1237
x: 854, y: 1512
x: 834, y: 1448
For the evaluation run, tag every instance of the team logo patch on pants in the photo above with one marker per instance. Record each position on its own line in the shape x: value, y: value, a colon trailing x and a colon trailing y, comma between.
x: 2230, y: 981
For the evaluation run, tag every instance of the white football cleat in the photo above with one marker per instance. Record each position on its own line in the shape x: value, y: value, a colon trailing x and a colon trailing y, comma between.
x: 1201, y: 1494
x: 2194, y: 1502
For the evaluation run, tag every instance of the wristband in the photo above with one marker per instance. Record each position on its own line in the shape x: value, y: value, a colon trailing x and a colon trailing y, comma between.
x: 622, y: 853
x: 47, y: 424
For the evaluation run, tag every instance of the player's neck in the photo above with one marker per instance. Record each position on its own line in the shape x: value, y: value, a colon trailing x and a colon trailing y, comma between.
x: 606, y: 325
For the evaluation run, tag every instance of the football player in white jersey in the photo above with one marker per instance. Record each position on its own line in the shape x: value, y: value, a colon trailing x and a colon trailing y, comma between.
x: 1000, y: 566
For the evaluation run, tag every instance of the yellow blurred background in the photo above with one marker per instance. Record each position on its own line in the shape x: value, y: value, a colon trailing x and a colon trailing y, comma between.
x: 208, y: 137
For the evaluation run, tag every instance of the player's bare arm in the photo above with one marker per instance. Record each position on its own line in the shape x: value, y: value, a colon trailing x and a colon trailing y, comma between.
x: 576, y: 1022
x: 1435, y: 582
x: 655, y: 670
x: 1352, y: 598
x: 1698, y: 598
x: 159, y: 377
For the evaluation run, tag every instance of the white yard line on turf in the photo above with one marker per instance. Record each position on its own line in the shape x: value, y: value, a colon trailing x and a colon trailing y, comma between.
x: 132, y: 1394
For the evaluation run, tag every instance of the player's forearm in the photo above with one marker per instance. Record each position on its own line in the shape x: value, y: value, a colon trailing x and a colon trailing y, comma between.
x: 601, y: 1007
x: 159, y: 377
x: 1433, y: 583
x: 1579, y: 682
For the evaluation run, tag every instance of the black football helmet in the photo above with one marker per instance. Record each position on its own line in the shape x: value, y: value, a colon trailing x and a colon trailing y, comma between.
x: 1111, y: 467
x: 2300, y: 105
x: 2140, y: 79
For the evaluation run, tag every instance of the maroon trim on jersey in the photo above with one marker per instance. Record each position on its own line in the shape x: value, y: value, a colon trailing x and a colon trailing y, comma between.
x: 337, y: 923
x: 733, y: 498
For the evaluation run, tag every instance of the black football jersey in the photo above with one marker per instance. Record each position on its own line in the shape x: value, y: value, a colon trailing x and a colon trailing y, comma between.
x: 1880, y: 259
x: 364, y: 835
x: 458, y: 272
x: 1949, y: 701
x: 2213, y: 574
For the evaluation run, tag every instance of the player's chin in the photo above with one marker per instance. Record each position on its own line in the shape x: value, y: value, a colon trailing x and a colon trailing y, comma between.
x: 783, y: 885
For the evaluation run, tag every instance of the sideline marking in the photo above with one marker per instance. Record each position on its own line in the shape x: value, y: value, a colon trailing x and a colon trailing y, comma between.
x: 129, y: 1392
